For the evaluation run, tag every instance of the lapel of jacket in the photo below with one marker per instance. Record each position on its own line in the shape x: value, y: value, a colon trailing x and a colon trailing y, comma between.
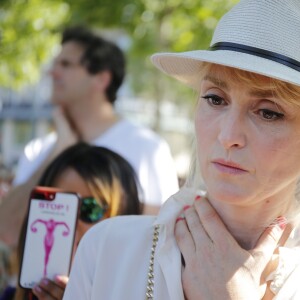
x: 168, y: 256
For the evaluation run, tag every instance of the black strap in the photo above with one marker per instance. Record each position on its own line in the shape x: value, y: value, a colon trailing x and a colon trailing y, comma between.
x: 282, y: 59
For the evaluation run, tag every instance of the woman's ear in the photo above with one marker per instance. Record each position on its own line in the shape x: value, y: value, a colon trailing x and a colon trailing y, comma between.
x: 103, y: 80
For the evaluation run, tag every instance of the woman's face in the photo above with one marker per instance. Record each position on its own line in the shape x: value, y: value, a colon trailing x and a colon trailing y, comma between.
x: 248, y: 141
x: 70, y: 180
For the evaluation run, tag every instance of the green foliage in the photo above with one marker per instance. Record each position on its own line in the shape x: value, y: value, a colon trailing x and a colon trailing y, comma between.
x: 154, y: 26
x: 29, y: 33
x: 28, y: 38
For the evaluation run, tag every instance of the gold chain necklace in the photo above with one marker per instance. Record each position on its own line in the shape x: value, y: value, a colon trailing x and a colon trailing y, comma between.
x: 150, y: 281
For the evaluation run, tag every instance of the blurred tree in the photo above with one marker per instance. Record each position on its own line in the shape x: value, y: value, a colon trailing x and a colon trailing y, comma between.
x: 27, y: 38
x: 155, y: 26
x: 29, y: 32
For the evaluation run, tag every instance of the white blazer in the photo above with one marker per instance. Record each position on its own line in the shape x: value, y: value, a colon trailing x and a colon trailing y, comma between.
x: 112, y: 260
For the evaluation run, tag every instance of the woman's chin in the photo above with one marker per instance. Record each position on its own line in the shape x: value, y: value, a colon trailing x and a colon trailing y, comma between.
x: 230, y: 195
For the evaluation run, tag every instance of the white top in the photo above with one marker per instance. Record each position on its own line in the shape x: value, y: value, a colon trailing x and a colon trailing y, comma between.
x: 148, y: 153
x: 113, y: 257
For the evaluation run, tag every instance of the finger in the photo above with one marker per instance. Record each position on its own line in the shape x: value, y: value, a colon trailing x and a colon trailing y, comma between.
x: 49, y: 290
x: 195, y: 227
x: 41, y: 294
x: 61, y: 280
x: 184, y: 239
x: 285, y: 235
x: 269, y: 240
x: 212, y: 223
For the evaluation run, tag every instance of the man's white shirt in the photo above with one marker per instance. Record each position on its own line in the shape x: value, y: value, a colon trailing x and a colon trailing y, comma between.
x: 149, y: 155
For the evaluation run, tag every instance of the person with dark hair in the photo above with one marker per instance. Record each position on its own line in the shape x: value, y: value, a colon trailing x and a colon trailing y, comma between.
x: 111, y: 179
x: 86, y: 74
x: 108, y: 187
x: 232, y: 232
x: 99, y: 55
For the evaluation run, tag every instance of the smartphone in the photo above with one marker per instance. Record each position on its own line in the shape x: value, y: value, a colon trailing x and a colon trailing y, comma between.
x: 50, y: 231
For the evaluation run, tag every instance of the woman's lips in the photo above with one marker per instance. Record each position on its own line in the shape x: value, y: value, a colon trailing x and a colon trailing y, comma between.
x: 229, y: 167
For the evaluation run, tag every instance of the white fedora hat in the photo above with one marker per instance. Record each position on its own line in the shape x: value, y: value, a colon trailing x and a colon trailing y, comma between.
x: 260, y: 36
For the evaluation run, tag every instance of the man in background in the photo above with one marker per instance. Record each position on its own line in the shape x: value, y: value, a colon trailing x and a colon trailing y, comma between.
x: 86, y: 76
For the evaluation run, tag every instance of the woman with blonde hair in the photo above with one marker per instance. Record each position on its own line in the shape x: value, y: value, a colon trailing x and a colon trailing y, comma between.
x: 231, y: 231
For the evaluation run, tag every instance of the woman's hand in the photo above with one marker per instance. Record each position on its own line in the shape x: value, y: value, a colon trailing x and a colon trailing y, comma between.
x: 50, y: 290
x: 216, y: 267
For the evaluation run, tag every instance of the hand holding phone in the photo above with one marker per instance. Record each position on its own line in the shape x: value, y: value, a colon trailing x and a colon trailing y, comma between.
x: 50, y: 230
x: 51, y: 289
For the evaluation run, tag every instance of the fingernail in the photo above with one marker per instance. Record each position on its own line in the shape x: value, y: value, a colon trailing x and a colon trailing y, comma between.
x: 186, y: 207
x: 37, y: 288
x: 179, y: 219
x: 58, y: 278
x: 197, y: 198
x: 281, y: 222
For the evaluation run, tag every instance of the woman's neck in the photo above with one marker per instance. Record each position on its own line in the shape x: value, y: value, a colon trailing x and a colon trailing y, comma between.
x: 246, y: 223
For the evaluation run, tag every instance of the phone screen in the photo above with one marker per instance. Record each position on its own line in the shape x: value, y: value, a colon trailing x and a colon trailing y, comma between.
x: 49, y: 239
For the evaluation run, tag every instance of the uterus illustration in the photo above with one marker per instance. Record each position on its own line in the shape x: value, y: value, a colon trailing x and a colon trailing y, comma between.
x: 49, y: 236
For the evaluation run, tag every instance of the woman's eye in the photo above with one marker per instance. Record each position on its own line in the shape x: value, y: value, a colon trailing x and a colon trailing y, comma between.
x: 214, y: 100
x: 270, y: 115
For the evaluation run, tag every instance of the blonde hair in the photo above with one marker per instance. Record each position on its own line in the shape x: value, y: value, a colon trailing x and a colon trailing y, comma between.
x: 289, y: 93
x: 108, y: 194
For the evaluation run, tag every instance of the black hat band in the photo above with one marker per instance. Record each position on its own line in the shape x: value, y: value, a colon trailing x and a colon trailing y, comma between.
x: 279, y: 58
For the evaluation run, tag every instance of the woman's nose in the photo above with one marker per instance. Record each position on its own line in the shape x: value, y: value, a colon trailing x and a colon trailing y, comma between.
x: 232, y: 130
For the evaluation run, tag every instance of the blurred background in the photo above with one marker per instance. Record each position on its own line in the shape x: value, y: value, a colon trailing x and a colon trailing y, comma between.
x: 30, y: 37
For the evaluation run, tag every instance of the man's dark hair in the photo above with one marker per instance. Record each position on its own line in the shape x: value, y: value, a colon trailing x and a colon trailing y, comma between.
x: 99, y: 55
